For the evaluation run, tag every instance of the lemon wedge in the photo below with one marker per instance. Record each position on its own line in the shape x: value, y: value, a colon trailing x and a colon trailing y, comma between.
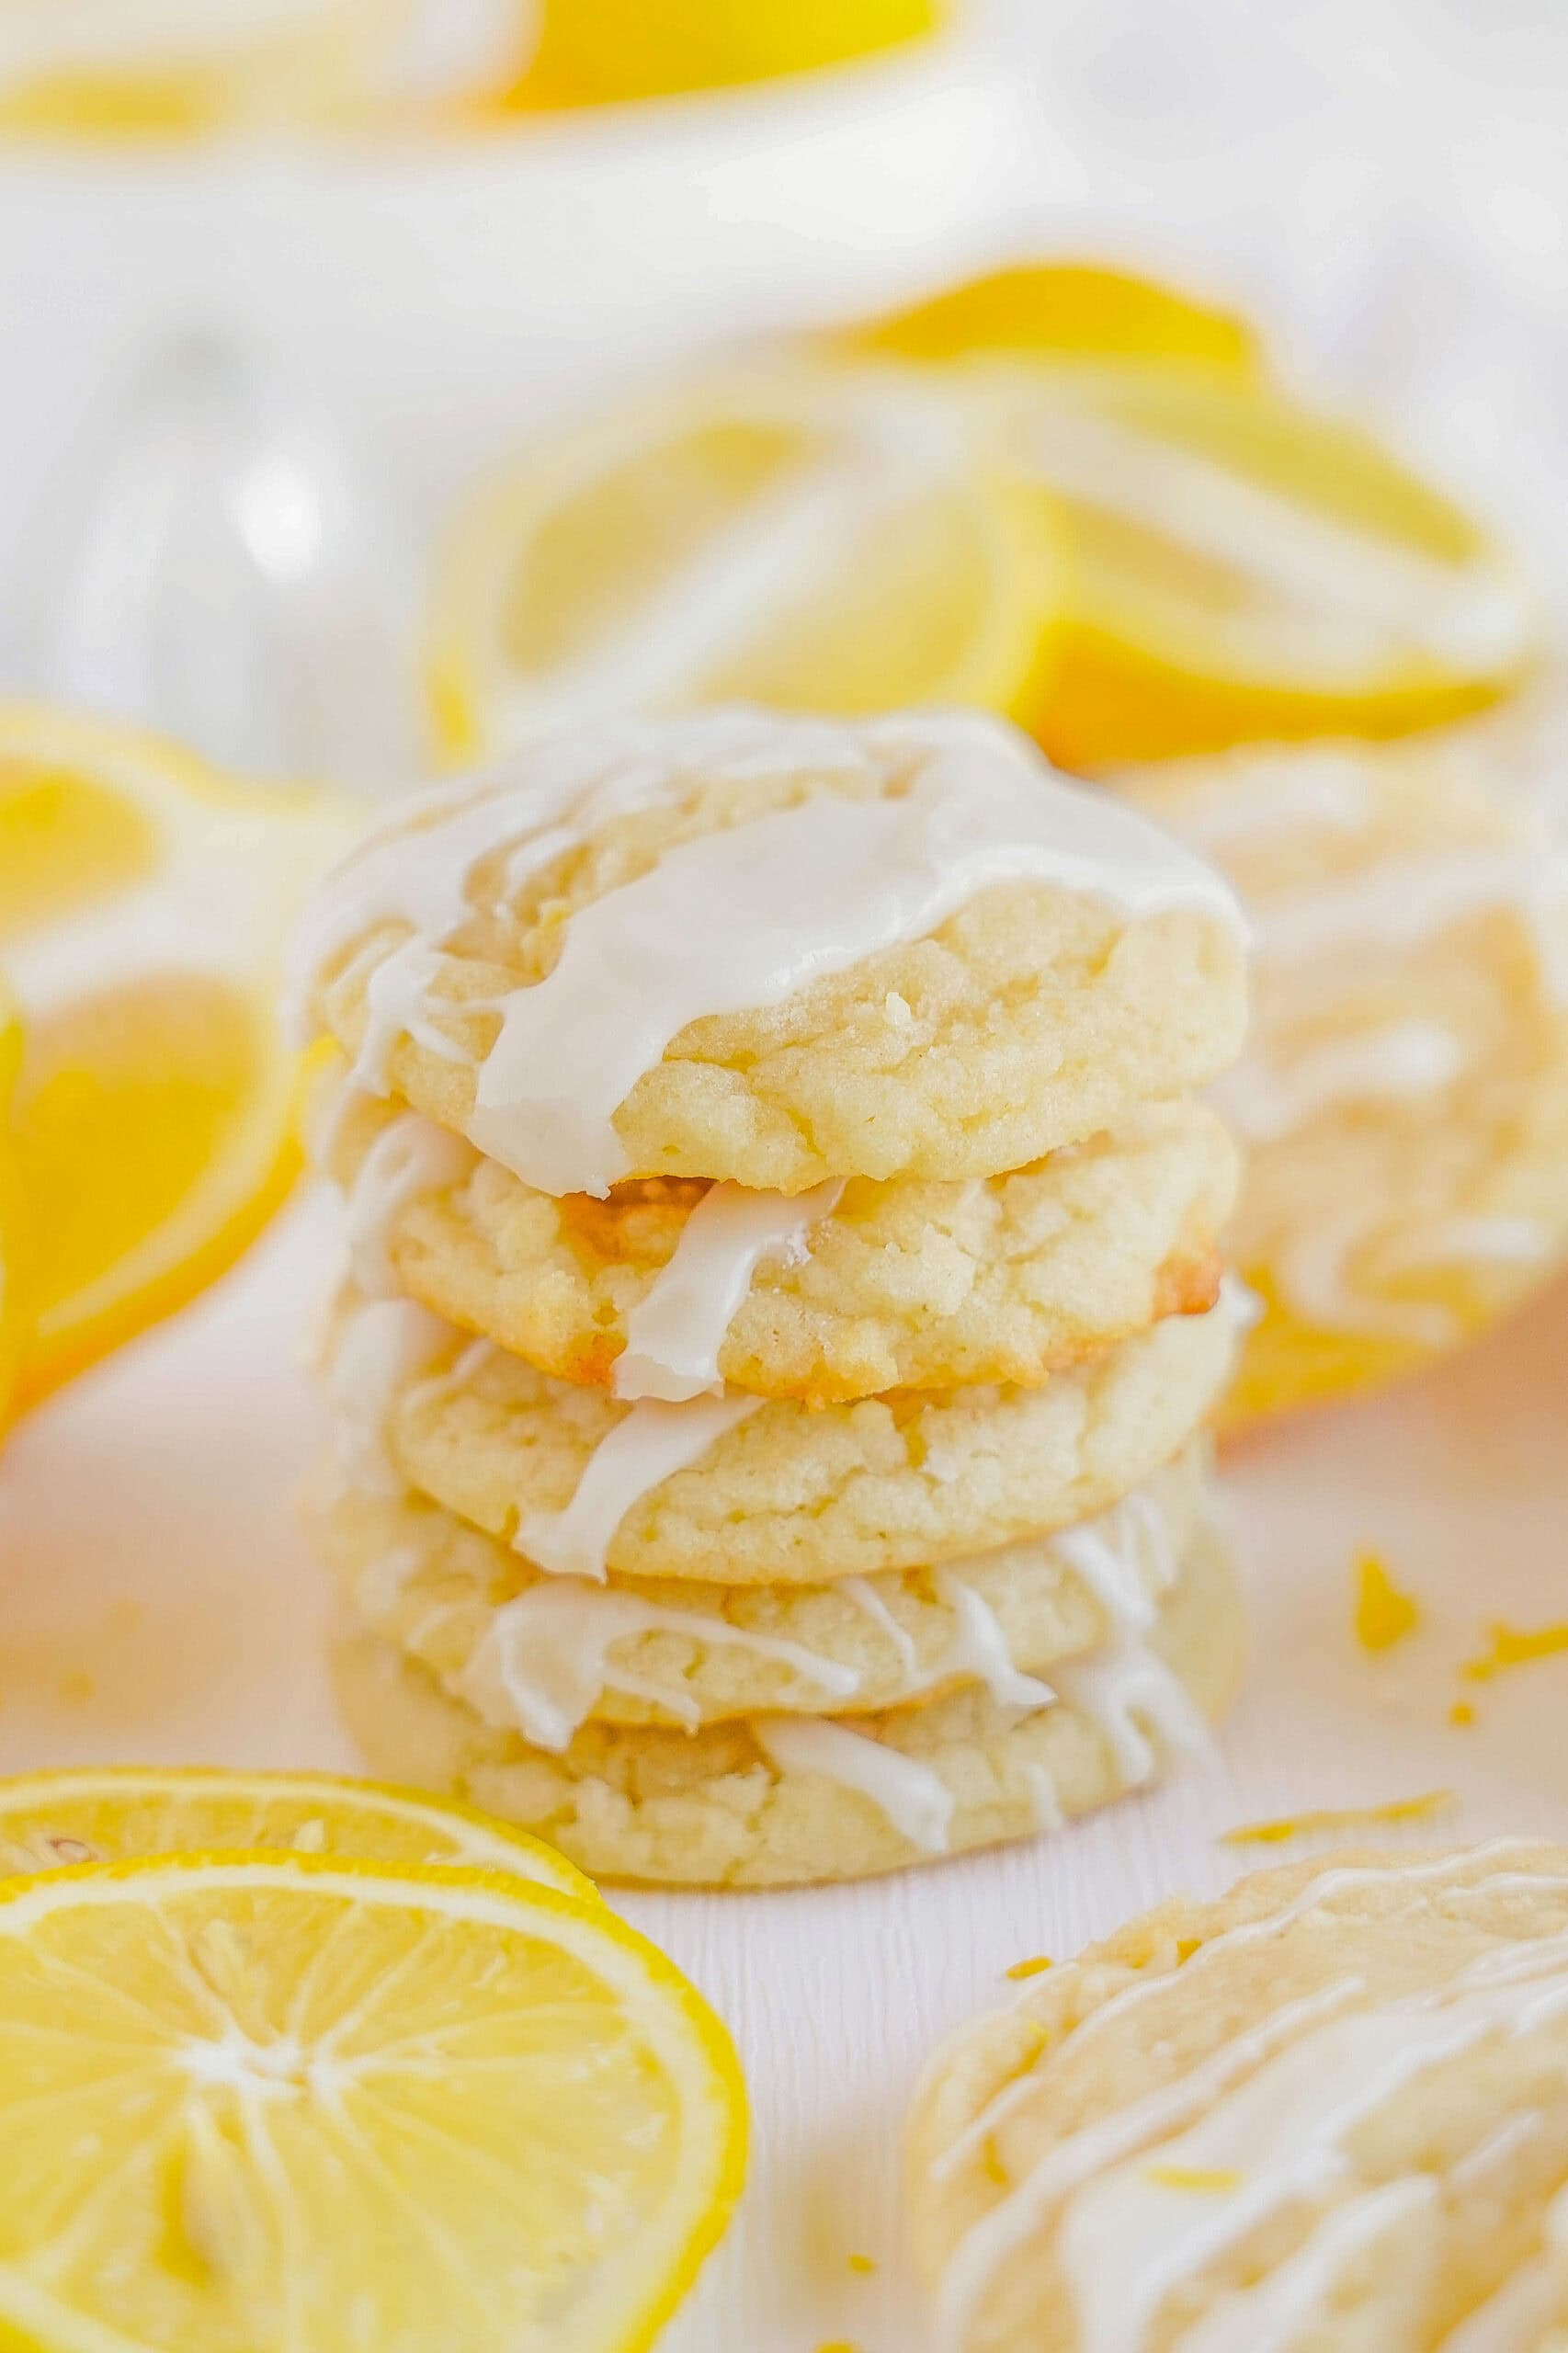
x: 1240, y: 567
x: 285, y: 2101
x: 589, y: 52
x: 1059, y: 311
x: 108, y: 1813
x: 143, y: 905
x: 826, y: 541
x: 14, y: 1312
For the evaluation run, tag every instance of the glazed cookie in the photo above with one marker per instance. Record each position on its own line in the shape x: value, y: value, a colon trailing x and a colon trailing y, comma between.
x: 774, y: 950
x: 673, y: 1288
x: 779, y: 1801
x: 1403, y: 1102
x: 541, y: 1655
x: 1329, y: 2112
x: 755, y: 1491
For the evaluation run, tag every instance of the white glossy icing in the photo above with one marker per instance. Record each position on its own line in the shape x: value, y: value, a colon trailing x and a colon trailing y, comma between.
x: 410, y: 1156
x: 1341, y: 582
x: 915, y: 1800
x: 1265, y: 1100
x: 731, y: 922
x: 1516, y: 2315
x: 1451, y: 1240
x: 649, y: 1445
x: 546, y: 1657
x: 1269, y: 2316
x: 1101, y: 1553
x: 1129, y: 1694
x: 382, y: 1343
x: 978, y: 1652
x: 673, y: 1335
x: 1313, y: 1276
x: 1306, y: 2074
x: 464, y: 1368
x: 863, y: 1595
x: 1274, y: 795
x: 1403, y: 901
x: 1045, y: 1805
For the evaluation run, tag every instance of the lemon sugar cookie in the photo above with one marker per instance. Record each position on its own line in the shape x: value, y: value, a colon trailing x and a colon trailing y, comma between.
x: 1330, y: 2109
x: 771, y: 1490
x: 543, y: 1653
x: 785, y: 1800
x: 1404, y: 1098
x: 776, y: 951
x: 785, y: 1292
x: 843, y: 1292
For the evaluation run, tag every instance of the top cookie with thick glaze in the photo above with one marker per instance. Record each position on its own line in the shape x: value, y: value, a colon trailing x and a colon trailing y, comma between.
x: 774, y: 950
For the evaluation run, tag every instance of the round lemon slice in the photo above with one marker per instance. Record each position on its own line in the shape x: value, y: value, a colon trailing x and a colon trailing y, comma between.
x: 1059, y: 311
x: 294, y: 2101
x: 144, y: 905
x: 825, y: 539
x: 1240, y: 568
x: 108, y: 1813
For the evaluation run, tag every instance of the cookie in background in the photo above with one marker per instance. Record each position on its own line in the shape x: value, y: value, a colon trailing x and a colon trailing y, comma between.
x: 1402, y: 1100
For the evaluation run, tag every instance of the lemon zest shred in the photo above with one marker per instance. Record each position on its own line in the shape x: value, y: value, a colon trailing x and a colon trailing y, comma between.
x: 1210, y: 2178
x: 863, y: 2264
x: 1186, y: 1948
x: 1036, y: 1967
x: 1461, y: 1713
x: 1515, y: 1646
x: 1385, y: 1615
x: 1350, y: 1817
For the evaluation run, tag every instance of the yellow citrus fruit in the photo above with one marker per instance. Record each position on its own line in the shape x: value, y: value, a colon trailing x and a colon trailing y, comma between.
x: 147, y: 69
x: 275, y: 2100
x: 590, y: 52
x: 108, y: 1813
x: 13, y: 1288
x: 1240, y: 567
x: 144, y: 905
x: 1061, y: 311
x: 819, y: 540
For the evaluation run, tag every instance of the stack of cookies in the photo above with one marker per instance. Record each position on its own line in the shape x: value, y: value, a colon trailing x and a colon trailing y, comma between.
x: 783, y: 1297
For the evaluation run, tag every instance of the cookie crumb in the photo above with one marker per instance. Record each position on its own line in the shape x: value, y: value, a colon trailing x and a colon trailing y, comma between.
x: 1385, y: 1615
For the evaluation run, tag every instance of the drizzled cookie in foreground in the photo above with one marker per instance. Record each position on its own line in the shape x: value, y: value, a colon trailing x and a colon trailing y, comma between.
x: 1328, y: 2111
x: 785, y: 1291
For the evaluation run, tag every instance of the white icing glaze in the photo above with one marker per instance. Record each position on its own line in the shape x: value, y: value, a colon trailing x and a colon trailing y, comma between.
x: 382, y: 1343
x: 1300, y: 2092
x: 463, y: 1368
x: 649, y: 1445
x: 863, y: 1595
x: 1341, y: 581
x: 1313, y: 1274
x: 673, y: 1335
x: 1269, y: 2316
x: 545, y: 1658
x: 733, y: 921
x: 1129, y: 1692
x: 978, y: 1652
x: 1274, y: 796
x: 915, y: 1800
x: 1264, y: 1101
x: 1450, y: 1240
x: 1516, y: 2315
x: 412, y: 1156
x: 1100, y: 1552
x: 1402, y: 902
x: 1045, y: 1805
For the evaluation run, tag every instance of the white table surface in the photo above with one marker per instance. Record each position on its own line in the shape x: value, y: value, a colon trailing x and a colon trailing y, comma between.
x: 157, y: 1601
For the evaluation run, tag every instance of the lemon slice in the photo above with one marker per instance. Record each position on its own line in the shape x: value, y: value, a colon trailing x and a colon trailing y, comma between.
x: 143, y: 905
x: 1240, y: 567
x: 255, y: 2101
x: 1060, y: 310
x: 134, y: 69
x: 589, y: 52
x: 108, y: 1813
x: 825, y: 540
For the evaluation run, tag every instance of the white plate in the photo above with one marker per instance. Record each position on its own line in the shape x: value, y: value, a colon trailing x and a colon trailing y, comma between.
x: 156, y: 1602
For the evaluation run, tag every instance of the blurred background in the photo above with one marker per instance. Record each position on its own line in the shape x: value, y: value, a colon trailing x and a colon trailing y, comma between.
x: 390, y: 379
